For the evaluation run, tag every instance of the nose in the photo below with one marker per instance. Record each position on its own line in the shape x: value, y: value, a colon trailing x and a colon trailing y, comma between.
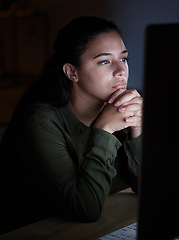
x: 119, y: 70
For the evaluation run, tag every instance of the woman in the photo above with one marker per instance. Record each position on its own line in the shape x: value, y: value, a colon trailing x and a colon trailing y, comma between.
x: 76, y: 133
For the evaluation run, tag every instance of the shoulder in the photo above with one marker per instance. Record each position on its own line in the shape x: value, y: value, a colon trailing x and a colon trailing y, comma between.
x: 41, y: 115
x: 42, y: 111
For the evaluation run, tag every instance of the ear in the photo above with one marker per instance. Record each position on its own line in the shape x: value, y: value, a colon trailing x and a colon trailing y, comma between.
x: 70, y: 72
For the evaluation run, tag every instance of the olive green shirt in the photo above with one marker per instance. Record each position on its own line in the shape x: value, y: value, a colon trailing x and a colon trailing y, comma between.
x: 51, y: 163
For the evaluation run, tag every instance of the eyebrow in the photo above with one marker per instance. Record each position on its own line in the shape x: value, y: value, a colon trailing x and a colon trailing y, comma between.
x: 108, y: 54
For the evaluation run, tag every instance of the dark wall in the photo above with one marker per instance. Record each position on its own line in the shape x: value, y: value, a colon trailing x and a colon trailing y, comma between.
x: 133, y: 16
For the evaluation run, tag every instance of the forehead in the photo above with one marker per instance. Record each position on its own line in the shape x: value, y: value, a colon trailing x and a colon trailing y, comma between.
x: 106, y: 42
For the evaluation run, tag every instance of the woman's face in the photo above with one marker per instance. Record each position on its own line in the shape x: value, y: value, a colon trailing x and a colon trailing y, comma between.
x: 104, y: 67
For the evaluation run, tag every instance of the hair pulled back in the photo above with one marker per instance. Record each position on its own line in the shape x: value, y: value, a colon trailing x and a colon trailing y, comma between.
x: 72, y: 40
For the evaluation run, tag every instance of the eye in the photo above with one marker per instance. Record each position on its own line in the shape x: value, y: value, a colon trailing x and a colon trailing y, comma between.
x: 125, y: 60
x: 104, y: 62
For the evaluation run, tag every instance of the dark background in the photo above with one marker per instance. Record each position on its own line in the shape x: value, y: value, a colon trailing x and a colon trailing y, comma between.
x: 28, y: 29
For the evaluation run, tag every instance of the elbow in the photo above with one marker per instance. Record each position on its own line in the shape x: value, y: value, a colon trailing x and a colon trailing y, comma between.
x: 81, y: 212
x: 90, y: 216
x: 88, y: 212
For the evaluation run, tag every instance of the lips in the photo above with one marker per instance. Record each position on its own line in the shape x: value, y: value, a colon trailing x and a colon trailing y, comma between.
x: 119, y: 86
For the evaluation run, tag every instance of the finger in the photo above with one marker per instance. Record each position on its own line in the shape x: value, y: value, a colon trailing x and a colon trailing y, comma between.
x: 126, y: 97
x: 115, y: 95
x: 134, y: 107
x: 134, y: 121
x: 138, y: 100
x: 139, y: 113
x: 136, y: 104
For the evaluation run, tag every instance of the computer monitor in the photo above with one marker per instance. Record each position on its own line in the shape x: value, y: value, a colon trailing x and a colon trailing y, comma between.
x: 159, y: 173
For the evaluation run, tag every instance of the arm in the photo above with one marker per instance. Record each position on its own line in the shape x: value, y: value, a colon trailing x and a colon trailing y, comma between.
x: 133, y: 151
x: 132, y: 148
x: 124, y: 110
x: 81, y: 189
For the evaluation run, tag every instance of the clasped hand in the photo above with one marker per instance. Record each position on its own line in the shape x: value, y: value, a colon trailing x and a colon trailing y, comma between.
x: 123, y: 109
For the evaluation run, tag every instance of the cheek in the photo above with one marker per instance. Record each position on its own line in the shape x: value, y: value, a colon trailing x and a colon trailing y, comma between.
x: 96, y: 83
x: 93, y: 76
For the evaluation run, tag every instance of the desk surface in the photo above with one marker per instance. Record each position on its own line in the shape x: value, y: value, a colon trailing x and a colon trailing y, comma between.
x: 119, y: 210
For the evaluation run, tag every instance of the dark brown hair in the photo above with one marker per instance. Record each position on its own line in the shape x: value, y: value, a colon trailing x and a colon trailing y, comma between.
x: 53, y: 86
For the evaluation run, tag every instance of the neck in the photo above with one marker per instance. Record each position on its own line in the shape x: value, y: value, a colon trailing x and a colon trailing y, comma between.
x: 85, y: 108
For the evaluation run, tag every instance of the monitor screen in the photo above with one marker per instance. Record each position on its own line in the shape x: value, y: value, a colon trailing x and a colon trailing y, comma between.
x: 159, y: 172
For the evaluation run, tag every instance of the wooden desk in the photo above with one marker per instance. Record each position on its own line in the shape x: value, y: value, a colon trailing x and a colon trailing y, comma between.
x: 120, y: 210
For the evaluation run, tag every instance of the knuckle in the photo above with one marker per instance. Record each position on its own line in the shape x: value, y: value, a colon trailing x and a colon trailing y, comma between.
x: 134, y: 91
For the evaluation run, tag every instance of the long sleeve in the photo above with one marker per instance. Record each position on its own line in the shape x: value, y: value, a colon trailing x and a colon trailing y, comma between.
x: 130, y: 171
x: 127, y: 162
x: 133, y: 151
x: 54, y: 164
x: 78, y: 173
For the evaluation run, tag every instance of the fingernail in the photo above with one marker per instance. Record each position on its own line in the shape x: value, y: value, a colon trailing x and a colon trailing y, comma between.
x: 122, y: 109
x: 116, y: 104
x: 128, y: 119
x: 111, y: 100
